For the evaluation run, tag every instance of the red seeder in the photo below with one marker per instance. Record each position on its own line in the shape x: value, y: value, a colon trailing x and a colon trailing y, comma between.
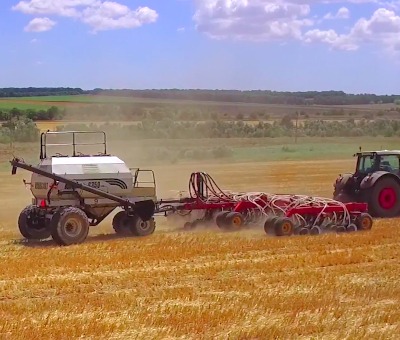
x: 281, y: 214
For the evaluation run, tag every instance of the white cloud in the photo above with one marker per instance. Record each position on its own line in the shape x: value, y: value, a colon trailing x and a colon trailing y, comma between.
x: 181, y: 29
x: 34, y: 41
x: 98, y: 14
x: 342, y: 13
x: 40, y: 25
x: 382, y: 28
x: 251, y: 20
x: 111, y: 15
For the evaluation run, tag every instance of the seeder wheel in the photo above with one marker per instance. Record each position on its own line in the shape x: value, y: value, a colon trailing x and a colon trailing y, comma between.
x: 351, y: 228
x: 233, y: 221
x: 269, y: 225
x: 364, y: 222
x: 220, y: 219
x: 284, y: 227
x: 315, y: 230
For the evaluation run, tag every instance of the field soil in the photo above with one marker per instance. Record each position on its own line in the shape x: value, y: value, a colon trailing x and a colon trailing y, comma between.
x: 203, y: 284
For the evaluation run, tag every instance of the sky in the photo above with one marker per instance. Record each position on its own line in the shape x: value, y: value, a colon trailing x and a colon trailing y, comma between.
x: 278, y: 45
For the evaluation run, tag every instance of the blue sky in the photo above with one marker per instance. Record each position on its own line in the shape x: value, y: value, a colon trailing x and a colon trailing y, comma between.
x: 282, y: 45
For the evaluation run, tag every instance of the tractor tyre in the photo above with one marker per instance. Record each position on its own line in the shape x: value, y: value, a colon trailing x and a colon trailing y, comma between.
x: 284, y: 227
x: 220, y: 219
x: 343, y: 197
x: 364, y: 222
x: 234, y: 221
x: 31, y: 226
x: 69, y: 226
x: 384, y: 198
x: 142, y: 228
x: 121, y: 223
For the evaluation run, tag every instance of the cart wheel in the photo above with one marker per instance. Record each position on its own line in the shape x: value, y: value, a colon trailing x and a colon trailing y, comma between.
x: 69, y: 226
x: 284, y: 227
x: 142, y: 228
x: 351, y: 228
x: 364, y: 222
x: 269, y: 225
x: 220, y: 219
x: 315, y: 230
x: 121, y: 223
x: 234, y: 221
x: 33, y: 226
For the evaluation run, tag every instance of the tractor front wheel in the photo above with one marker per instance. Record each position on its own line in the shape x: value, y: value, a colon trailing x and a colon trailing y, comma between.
x: 69, y: 226
x: 384, y: 198
x: 32, y: 224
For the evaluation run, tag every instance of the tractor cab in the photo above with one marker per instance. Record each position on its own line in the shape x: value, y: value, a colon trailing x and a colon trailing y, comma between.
x: 370, y: 162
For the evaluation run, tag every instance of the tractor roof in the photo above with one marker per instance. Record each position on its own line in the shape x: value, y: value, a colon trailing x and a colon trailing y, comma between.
x: 378, y: 152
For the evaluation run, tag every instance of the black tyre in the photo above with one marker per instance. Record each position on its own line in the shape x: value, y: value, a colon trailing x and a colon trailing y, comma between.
x: 351, y: 228
x: 32, y: 225
x: 343, y: 197
x: 384, y: 198
x: 69, y: 226
x: 269, y: 225
x: 142, y: 228
x: 234, y: 221
x: 364, y: 221
x: 121, y: 223
x: 284, y: 227
x: 220, y: 219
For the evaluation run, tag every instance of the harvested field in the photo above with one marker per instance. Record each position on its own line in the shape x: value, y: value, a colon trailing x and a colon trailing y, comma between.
x: 205, y: 283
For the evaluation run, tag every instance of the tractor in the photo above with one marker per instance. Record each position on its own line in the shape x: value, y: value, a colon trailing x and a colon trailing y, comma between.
x: 376, y: 181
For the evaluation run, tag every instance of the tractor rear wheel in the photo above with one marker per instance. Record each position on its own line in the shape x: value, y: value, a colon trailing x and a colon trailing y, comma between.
x: 384, y: 198
x: 69, y: 226
x: 139, y: 227
x: 32, y: 225
x: 121, y: 223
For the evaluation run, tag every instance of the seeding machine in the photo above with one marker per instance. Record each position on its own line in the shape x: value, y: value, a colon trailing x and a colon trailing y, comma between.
x: 75, y: 191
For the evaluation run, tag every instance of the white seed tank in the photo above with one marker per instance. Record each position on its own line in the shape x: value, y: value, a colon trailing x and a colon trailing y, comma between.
x: 106, y: 173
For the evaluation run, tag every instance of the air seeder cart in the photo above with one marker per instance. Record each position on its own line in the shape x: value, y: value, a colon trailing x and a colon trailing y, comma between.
x: 76, y: 190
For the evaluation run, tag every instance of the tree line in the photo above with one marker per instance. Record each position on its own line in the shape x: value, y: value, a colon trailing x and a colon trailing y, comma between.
x: 52, y: 113
x: 253, y: 96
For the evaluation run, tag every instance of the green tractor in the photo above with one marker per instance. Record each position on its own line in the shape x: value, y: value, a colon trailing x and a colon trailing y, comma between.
x: 376, y: 181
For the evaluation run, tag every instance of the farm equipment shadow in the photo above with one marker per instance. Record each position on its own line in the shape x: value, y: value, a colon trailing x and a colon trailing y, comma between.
x: 49, y: 243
